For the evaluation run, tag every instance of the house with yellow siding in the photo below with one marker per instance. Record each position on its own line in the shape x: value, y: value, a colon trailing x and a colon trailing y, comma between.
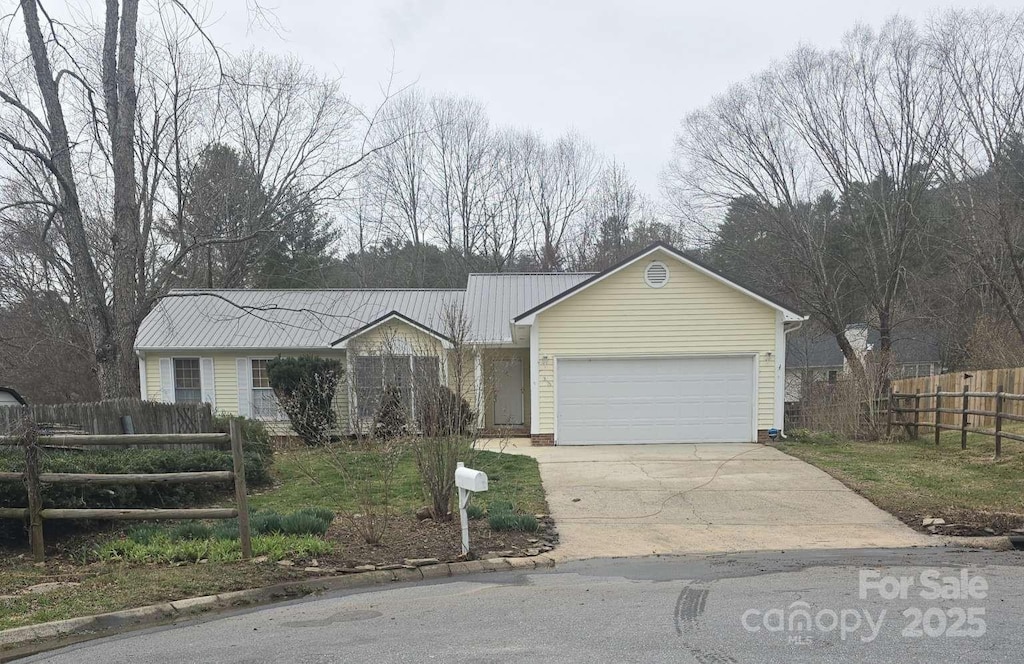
x: 657, y: 349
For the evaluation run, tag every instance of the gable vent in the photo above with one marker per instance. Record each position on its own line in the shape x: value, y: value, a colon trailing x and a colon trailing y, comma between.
x: 656, y: 274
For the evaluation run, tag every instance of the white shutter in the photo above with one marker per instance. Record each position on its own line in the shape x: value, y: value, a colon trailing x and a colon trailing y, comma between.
x: 206, y: 381
x: 142, y: 377
x: 244, y: 386
x: 166, y: 380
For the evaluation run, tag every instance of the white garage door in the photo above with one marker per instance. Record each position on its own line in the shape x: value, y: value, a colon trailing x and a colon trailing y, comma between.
x: 655, y: 400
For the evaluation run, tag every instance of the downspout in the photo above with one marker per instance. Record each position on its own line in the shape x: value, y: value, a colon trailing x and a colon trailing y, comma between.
x: 786, y: 331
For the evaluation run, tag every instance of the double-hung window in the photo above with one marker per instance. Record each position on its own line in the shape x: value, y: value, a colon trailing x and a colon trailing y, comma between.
x: 264, y: 401
x: 188, y: 386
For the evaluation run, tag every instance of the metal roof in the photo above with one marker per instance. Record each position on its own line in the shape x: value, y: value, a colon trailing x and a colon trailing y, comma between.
x: 493, y: 300
x: 281, y: 319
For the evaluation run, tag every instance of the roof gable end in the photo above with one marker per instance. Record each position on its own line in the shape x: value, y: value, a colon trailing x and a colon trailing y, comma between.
x: 527, y: 317
x: 391, y: 316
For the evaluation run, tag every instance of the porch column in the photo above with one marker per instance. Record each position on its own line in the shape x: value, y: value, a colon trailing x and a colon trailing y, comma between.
x: 478, y: 382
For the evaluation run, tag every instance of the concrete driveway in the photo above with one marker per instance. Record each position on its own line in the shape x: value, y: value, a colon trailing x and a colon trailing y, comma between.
x: 631, y: 500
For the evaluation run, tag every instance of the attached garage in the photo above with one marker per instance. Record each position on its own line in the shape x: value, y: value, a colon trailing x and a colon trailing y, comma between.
x: 615, y: 401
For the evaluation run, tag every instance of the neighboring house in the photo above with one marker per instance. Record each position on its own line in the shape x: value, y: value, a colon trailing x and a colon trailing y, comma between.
x: 816, y: 358
x: 9, y: 397
x: 658, y: 348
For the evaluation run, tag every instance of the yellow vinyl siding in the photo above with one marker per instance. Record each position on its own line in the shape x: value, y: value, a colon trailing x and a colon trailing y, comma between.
x: 225, y: 377
x: 396, y: 338
x: 621, y: 316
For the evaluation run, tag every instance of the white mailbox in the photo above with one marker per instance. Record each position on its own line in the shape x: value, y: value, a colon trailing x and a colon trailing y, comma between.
x: 470, y: 480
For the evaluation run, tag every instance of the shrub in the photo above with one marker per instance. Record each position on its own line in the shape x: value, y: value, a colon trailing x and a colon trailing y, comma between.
x: 436, y: 460
x: 305, y: 388
x: 12, y: 494
x: 258, y: 448
x: 265, y: 522
x: 444, y: 413
x: 304, y: 523
x: 391, y: 420
x: 258, y: 458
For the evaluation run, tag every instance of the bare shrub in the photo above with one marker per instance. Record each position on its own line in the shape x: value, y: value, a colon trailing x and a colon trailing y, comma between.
x: 854, y: 406
x: 436, y: 460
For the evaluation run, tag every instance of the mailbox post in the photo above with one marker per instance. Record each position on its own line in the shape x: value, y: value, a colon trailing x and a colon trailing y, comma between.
x: 468, y: 481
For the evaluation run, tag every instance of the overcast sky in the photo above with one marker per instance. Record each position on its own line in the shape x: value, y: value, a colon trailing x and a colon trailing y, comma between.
x: 621, y: 73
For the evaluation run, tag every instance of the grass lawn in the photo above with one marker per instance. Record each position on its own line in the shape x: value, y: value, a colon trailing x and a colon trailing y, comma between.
x: 111, y: 586
x: 914, y: 479
x: 106, y: 584
x: 511, y: 477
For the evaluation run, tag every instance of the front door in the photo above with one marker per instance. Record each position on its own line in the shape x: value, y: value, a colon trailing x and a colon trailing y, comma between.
x: 508, y: 394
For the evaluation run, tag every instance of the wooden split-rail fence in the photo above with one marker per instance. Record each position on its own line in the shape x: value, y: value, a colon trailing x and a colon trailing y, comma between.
x: 965, y: 411
x: 33, y: 443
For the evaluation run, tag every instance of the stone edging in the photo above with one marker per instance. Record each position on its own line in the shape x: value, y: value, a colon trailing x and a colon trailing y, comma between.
x: 103, y: 623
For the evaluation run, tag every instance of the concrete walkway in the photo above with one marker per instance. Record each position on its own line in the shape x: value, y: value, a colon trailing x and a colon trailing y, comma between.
x: 633, y: 500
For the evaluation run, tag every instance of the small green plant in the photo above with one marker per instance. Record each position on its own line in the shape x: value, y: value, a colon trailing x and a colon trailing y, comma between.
x: 322, y: 513
x: 511, y: 521
x: 190, y: 530
x: 500, y: 507
x: 475, y: 512
x: 146, y: 533
x: 162, y: 550
x: 262, y: 523
x: 226, y: 530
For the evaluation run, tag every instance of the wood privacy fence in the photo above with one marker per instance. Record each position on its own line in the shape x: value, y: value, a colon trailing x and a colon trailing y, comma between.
x: 35, y: 513
x: 115, y: 416
x: 969, y: 412
x: 988, y: 382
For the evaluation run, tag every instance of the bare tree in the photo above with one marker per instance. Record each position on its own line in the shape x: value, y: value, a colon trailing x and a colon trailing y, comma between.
x: 399, y: 173
x: 561, y: 178
x: 463, y: 171
x: 980, y: 59
x: 830, y: 155
x: 99, y: 146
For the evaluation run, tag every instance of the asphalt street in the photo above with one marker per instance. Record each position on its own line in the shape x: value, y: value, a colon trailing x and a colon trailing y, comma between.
x: 899, y: 605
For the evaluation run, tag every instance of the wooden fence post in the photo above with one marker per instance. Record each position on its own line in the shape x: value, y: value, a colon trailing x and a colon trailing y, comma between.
x: 917, y: 412
x: 889, y: 413
x: 241, y: 499
x: 938, y: 415
x: 963, y: 420
x: 999, y: 420
x: 35, y: 497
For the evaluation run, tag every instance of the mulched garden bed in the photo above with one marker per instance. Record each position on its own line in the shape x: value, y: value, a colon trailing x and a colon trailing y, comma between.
x: 409, y: 538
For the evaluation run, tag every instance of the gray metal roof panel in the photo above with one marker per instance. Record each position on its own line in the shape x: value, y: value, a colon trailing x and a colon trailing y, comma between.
x: 493, y: 300
x: 292, y: 319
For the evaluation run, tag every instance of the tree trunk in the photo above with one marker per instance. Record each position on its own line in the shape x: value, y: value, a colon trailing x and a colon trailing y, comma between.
x: 119, y: 86
x: 87, y: 278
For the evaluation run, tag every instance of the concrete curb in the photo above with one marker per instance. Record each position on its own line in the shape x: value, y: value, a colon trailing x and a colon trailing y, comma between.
x: 103, y: 623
